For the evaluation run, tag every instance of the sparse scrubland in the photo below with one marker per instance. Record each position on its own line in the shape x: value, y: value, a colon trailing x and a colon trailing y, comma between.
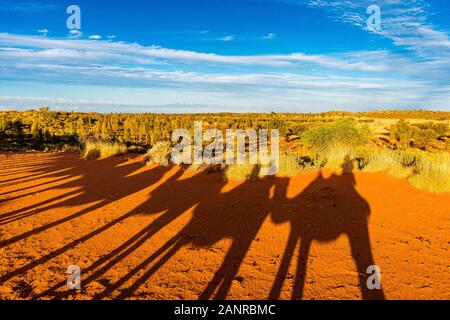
x: 406, y: 144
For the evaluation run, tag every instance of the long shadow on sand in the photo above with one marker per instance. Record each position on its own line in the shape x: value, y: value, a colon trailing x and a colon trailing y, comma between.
x: 324, y: 210
x: 91, y: 192
x: 342, y: 211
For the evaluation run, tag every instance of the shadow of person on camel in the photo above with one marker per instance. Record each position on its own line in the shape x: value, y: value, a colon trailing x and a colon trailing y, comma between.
x: 326, y: 209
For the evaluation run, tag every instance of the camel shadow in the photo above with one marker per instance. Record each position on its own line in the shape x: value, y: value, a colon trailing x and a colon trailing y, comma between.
x: 236, y: 214
x: 125, y: 178
x: 326, y: 209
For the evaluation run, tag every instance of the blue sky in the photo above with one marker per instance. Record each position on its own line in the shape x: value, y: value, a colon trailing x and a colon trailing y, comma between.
x: 225, y: 55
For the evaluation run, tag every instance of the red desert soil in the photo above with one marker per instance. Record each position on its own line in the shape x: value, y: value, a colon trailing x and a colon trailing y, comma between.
x: 142, y: 232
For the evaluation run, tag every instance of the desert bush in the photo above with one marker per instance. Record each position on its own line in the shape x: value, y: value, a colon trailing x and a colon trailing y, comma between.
x: 296, y: 129
x: 331, y: 143
x: 402, y: 133
x: 418, y: 135
x: 432, y: 172
x: 343, y: 132
x: 159, y: 154
x: 103, y: 149
x: 439, y: 128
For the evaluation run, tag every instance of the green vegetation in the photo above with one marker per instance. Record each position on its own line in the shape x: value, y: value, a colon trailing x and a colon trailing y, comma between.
x: 341, y: 133
x: 410, y: 144
x: 421, y: 136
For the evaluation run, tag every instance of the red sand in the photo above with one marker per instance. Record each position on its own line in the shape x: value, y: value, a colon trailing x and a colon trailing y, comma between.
x: 152, y: 233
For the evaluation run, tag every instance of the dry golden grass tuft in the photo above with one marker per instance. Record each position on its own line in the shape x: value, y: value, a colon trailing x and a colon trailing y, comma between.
x: 432, y: 172
x: 159, y: 154
x: 103, y: 149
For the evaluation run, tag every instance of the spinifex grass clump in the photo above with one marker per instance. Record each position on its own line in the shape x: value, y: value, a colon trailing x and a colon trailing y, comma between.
x: 159, y: 154
x: 241, y: 172
x: 432, y: 172
x: 289, y: 165
x: 103, y: 149
x: 399, y: 164
x: 423, y: 170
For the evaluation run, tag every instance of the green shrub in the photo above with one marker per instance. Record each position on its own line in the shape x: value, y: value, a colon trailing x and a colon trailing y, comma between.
x: 419, y: 135
x: 439, y: 128
x: 402, y: 134
x: 343, y: 132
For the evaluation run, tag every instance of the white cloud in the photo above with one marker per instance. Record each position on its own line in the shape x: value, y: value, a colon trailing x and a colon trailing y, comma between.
x: 270, y: 35
x: 404, y: 22
x: 75, y: 33
x: 227, y: 38
x: 113, y: 36
x: 26, y: 6
x: 359, y: 61
x: 43, y: 31
x: 95, y: 37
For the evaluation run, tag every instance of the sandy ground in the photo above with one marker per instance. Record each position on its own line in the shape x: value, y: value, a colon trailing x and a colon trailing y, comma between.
x: 141, y: 232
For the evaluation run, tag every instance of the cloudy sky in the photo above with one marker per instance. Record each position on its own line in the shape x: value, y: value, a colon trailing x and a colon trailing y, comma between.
x: 225, y: 55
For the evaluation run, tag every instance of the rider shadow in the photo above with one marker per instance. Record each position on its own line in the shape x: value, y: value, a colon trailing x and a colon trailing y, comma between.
x: 326, y: 209
x: 236, y: 215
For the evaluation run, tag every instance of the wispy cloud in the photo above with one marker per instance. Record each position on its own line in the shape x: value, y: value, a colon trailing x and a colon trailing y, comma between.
x: 75, y: 33
x: 406, y: 23
x: 269, y: 36
x: 227, y: 38
x: 43, y: 31
x: 39, y: 47
x: 26, y: 7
